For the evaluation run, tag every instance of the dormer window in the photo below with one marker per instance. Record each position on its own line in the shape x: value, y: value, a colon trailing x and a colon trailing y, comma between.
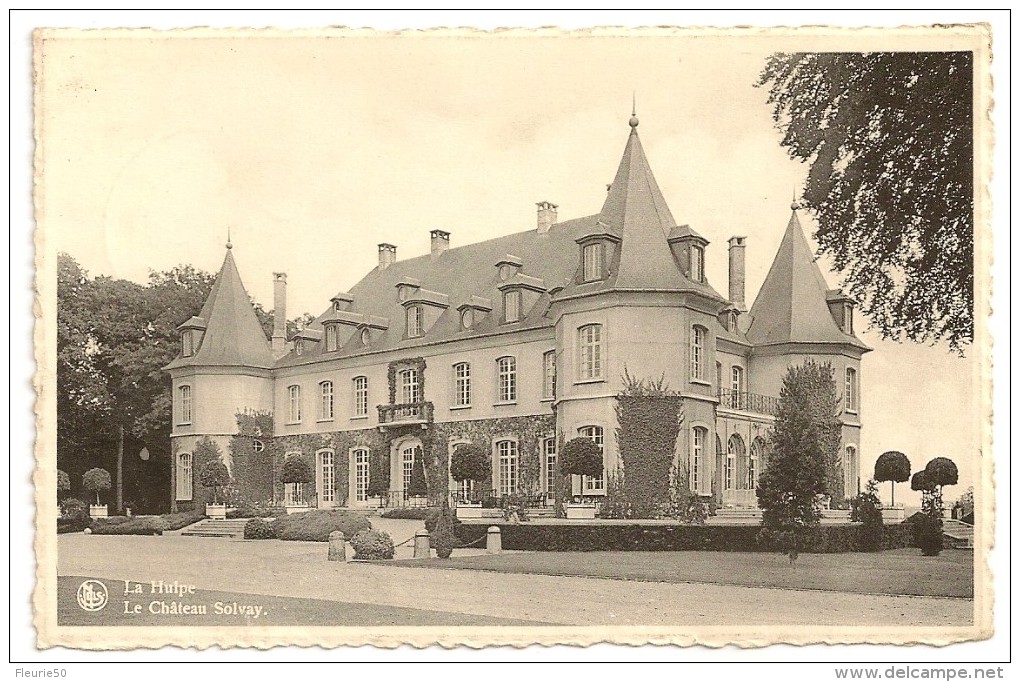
x: 467, y: 318
x: 593, y: 268
x: 299, y: 346
x: 188, y: 344
x: 366, y: 336
x: 337, y: 306
x: 697, y: 263
x: 512, y: 305
x: 332, y: 338
x: 509, y: 265
x: 415, y: 322
x: 848, y: 318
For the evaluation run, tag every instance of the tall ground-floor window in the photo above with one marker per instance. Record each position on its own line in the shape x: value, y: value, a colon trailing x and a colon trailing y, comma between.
x: 184, y: 476
x: 361, y: 474
x: 506, y: 452
x: 327, y: 476
x: 549, y: 457
x: 294, y: 493
x: 594, y: 484
x: 698, y: 437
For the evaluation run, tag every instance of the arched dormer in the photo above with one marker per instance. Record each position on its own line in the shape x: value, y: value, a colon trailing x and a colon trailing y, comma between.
x: 596, y: 252
x: 473, y: 312
x: 688, y: 249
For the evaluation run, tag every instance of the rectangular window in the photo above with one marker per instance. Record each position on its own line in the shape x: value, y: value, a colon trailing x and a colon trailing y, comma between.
x: 294, y: 493
x: 736, y: 387
x: 407, y: 467
x: 326, y: 401
x: 415, y: 321
x: 590, y: 356
x: 851, y: 390
x: 187, y: 344
x: 294, y: 396
x: 327, y: 475
x: 507, y: 453
x: 462, y: 384
x: 698, y: 436
x: 361, y: 474
x: 593, y: 262
x: 185, y: 405
x: 697, y: 258
x: 549, y: 454
x: 360, y: 396
x: 594, y: 484
x: 332, y: 340
x: 549, y: 375
x: 697, y: 353
x: 184, y: 477
x: 507, y: 376
x: 410, y: 388
x: 512, y: 306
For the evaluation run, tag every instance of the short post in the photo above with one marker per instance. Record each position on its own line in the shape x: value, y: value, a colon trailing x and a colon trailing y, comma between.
x: 422, y: 548
x: 493, y: 541
x: 337, y: 549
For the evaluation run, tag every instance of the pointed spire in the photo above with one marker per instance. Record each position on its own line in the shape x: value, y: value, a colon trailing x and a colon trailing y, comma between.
x: 229, y: 244
x: 791, y: 304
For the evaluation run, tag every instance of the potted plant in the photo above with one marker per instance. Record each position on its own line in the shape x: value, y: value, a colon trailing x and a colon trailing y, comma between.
x: 95, y: 481
x: 470, y: 463
x: 894, y: 467
x: 581, y: 457
x: 63, y: 485
x: 214, y: 475
x: 296, y: 472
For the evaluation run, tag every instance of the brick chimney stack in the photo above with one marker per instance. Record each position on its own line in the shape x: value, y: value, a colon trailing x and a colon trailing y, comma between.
x: 440, y: 241
x: 737, y: 247
x: 279, y: 314
x: 546, y: 216
x: 387, y: 255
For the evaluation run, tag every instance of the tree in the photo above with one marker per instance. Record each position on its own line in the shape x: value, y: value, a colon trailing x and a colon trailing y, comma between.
x: 470, y: 463
x: 928, y: 527
x: 805, y: 442
x: 866, y: 509
x: 938, y: 473
x: 214, y: 474
x: 296, y: 471
x: 894, y: 467
x: 581, y: 457
x: 889, y: 137
x: 95, y: 481
x: 417, y: 486
x: 63, y: 483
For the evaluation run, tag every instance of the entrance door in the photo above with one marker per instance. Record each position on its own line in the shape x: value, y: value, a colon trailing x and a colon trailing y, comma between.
x: 326, y: 480
x: 360, y: 472
x: 408, y: 454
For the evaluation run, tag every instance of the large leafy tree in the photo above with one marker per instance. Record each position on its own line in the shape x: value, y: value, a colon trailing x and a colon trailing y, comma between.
x: 889, y: 137
x: 805, y: 443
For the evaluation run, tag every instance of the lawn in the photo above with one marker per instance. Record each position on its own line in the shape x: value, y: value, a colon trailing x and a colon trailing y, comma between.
x: 899, y: 572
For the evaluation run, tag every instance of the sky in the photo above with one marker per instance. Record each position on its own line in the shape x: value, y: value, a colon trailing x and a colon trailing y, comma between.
x: 312, y: 149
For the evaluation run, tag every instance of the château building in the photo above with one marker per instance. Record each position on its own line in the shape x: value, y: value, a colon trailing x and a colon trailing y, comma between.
x: 516, y: 344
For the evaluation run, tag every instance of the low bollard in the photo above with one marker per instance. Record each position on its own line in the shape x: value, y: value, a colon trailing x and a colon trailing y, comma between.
x: 337, y: 549
x: 422, y: 548
x: 493, y: 541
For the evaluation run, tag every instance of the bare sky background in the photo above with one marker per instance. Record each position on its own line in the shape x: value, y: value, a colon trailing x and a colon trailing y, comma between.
x: 313, y: 150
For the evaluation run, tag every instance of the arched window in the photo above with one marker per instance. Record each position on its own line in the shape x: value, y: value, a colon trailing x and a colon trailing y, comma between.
x: 697, y: 263
x: 850, y: 391
x: 506, y: 374
x: 185, y: 404
x: 593, y: 484
x: 462, y: 384
x: 294, y: 404
x: 697, y: 353
x: 332, y: 338
x: 850, y: 471
x: 735, y: 454
x: 184, y: 476
x: 410, y: 386
x: 512, y: 306
x: 360, y: 396
x: 361, y: 474
x: 699, y: 435
x: 327, y: 476
x: 506, y: 454
x: 549, y: 375
x: 326, y: 401
x: 415, y: 321
x: 589, y: 352
x: 592, y: 256
x: 549, y: 461
x: 755, y: 463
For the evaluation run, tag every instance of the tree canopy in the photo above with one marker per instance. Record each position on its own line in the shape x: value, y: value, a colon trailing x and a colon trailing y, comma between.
x: 582, y: 457
x: 889, y: 137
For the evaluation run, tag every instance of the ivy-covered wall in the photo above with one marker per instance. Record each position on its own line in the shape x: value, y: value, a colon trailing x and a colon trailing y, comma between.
x: 253, y: 470
x: 647, y: 435
x: 341, y: 442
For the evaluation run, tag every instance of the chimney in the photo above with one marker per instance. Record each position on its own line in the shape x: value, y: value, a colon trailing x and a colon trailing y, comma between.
x: 279, y: 314
x: 440, y: 241
x: 546, y: 216
x: 737, y: 246
x: 387, y: 255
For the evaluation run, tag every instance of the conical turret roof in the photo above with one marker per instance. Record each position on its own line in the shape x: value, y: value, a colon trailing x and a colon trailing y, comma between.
x: 791, y: 304
x: 233, y: 336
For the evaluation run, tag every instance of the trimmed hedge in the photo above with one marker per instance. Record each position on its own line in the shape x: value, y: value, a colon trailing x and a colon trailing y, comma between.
x: 258, y: 529
x: 672, y: 538
x: 180, y: 520
x: 372, y: 544
x: 413, y: 513
x: 256, y: 511
x: 316, y: 525
x: 128, y: 525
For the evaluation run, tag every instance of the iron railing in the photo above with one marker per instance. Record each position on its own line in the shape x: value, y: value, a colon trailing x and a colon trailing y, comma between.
x: 405, y: 412
x: 748, y: 402
x: 400, y: 498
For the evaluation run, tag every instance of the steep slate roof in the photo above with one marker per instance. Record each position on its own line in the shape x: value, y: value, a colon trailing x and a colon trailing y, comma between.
x: 233, y: 335
x: 790, y: 306
x: 636, y: 212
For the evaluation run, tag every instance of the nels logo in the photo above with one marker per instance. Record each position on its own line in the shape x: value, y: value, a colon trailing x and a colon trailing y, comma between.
x: 92, y: 595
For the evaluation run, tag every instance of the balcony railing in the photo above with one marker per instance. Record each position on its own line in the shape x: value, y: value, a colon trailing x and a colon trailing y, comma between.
x: 495, y: 499
x: 400, y: 498
x: 401, y: 413
x: 747, y: 402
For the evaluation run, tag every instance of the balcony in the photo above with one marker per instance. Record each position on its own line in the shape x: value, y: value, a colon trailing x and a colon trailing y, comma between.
x: 747, y: 402
x: 402, y: 414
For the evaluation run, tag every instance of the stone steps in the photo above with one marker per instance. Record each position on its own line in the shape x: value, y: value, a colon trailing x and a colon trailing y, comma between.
x: 229, y: 528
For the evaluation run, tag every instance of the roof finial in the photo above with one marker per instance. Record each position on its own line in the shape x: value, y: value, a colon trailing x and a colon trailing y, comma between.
x: 794, y: 205
x: 229, y: 244
x: 633, y: 110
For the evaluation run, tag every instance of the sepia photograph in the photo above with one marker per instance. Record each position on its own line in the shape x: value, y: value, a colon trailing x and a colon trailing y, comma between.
x: 469, y: 338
